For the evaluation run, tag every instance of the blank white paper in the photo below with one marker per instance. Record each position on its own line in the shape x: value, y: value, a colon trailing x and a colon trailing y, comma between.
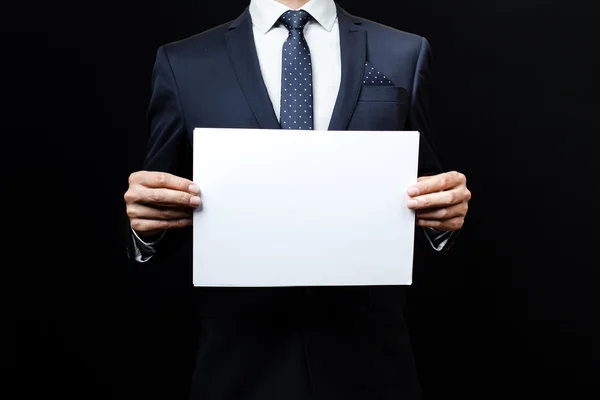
x: 303, y: 208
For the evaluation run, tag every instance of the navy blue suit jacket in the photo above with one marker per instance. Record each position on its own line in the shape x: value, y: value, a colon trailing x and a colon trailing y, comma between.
x: 213, y: 79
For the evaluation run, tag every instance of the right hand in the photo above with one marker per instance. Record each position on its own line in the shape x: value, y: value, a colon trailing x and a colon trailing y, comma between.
x: 157, y: 201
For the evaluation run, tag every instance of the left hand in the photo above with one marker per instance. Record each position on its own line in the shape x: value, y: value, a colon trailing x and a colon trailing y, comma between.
x: 440, y: 201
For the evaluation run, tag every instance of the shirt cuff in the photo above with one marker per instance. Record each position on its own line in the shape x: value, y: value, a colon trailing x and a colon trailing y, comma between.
x: 437, y: 239
x: 144, y: 250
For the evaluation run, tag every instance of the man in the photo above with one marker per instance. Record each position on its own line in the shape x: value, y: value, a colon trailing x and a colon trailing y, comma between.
x: 290, y: 343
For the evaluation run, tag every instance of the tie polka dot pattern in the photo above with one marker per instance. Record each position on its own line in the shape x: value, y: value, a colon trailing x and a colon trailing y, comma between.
x: 374, y: 77
x: 296, y: 74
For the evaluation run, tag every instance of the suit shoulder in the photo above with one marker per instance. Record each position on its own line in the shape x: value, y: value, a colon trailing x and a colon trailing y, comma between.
x: 385, y: 33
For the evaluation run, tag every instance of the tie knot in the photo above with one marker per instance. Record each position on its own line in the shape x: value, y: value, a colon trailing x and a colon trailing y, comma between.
x: 295, y: 19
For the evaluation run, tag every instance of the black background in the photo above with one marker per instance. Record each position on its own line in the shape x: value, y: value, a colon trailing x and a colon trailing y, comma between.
x: 511, y: 312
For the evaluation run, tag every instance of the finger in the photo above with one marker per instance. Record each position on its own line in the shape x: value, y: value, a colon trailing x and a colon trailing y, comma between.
x: 143, y: 226
x: 436, y: 183
x: 167, y: 198
x: 451, y: 224
x: 156, y: 179
x: 435, y: 200
x: 141, y: 211
x: 457, y: 210
x: 414, y: 189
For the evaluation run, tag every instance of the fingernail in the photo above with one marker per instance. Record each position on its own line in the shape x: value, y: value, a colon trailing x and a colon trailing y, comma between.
x: 194, y: 188
x: 195, y: 201
x: 412, y: 204
x: 413, y: 191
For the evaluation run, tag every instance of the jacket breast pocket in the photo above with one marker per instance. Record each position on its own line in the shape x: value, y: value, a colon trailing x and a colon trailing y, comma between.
x: 380, y: 108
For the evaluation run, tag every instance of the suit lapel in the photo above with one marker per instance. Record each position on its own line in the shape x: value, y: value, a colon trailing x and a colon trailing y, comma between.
x: 242, y: 51
x: 353, y: 45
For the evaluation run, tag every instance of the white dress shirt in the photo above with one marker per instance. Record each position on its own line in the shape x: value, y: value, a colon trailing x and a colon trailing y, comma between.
x: 322, y: 35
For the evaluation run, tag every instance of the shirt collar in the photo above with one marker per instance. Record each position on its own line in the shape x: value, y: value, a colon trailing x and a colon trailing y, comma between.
x: 265, y: 13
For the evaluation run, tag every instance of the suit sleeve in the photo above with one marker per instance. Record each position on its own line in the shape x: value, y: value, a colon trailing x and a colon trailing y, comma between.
x: 420, y: 120
x: 420, y: 112
x: 168, y: 148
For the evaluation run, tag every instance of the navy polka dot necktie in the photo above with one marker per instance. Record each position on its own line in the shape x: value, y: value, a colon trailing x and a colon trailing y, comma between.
x: 296, y: 74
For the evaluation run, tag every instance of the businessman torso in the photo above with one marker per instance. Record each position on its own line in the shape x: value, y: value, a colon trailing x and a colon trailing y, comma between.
x: 346, y: 343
